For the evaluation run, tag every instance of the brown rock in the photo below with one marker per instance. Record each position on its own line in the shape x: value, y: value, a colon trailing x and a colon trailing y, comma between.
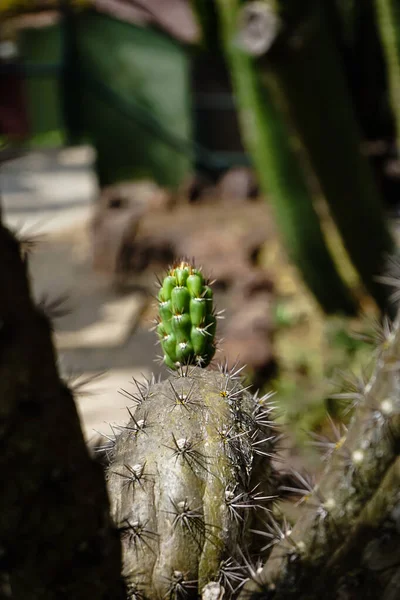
x: 108, y: 238
x: 218, y: 253
x: 120, y: 209
x: 255, y: 281
x: 134, y: 194
x: 196, y: 188
x: 247, y: 330
x: 237, y: 185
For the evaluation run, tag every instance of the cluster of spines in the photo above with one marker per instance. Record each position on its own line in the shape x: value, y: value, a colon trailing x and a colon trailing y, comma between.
x: 186, y: 323
x: 276, y: 531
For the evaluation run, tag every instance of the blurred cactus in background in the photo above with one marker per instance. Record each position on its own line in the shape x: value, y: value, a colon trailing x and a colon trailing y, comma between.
x: 268, y: 141
x: 388, y: 17
x: 297, y: 66
x: 347, y: 543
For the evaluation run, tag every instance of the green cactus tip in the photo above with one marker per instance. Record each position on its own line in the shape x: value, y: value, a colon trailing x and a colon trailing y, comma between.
x: 187, y: 322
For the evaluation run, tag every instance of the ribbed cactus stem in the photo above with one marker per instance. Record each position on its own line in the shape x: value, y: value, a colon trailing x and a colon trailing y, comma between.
x: 354, y: 501
x: 189, y: 474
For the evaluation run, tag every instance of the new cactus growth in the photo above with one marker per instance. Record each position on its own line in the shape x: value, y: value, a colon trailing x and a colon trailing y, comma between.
x: 187, y: 323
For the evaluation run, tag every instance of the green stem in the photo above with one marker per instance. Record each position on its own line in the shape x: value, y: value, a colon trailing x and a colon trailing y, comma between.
x: 388, y: 16
x: 308, y: 73
x: 268, y: 142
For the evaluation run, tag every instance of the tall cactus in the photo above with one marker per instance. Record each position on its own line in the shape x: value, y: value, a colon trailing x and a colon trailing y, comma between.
x: 269, y: 143
x: 388, y: 14
x: 190, y: 474
x: 303, y: 66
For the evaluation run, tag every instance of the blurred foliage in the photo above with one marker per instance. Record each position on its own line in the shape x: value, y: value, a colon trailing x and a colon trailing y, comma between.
x: 44, y: 109
x: 312, y: 350
x: 121, y: 87
x: 31, y: 5
x: 135, y: 100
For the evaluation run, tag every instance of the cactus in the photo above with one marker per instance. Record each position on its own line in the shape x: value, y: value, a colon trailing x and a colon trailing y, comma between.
x: 189, y: 475
x: 194, y: 491
x: 347, y: 544
x: 187, y: 323
x: 57, y: 539
x: 388, y: 17
x: 303, y: 71
x: 270, y: 143
x: 191, y: 471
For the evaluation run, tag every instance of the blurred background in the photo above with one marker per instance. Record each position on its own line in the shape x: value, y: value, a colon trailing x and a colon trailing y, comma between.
x: 260, y: 138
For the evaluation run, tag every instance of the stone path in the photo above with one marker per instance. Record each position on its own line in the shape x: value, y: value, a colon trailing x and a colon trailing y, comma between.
x: 50, y: 195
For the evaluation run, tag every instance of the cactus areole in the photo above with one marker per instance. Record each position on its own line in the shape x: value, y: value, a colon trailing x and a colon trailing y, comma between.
x: 187, y: 322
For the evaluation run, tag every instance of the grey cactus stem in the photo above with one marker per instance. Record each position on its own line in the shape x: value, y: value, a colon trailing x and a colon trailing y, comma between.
x: 354, y: 502
x: 268, y: 142
x: 185, y: 490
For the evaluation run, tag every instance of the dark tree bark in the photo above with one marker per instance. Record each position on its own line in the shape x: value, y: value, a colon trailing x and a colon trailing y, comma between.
x: 56, y: 536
